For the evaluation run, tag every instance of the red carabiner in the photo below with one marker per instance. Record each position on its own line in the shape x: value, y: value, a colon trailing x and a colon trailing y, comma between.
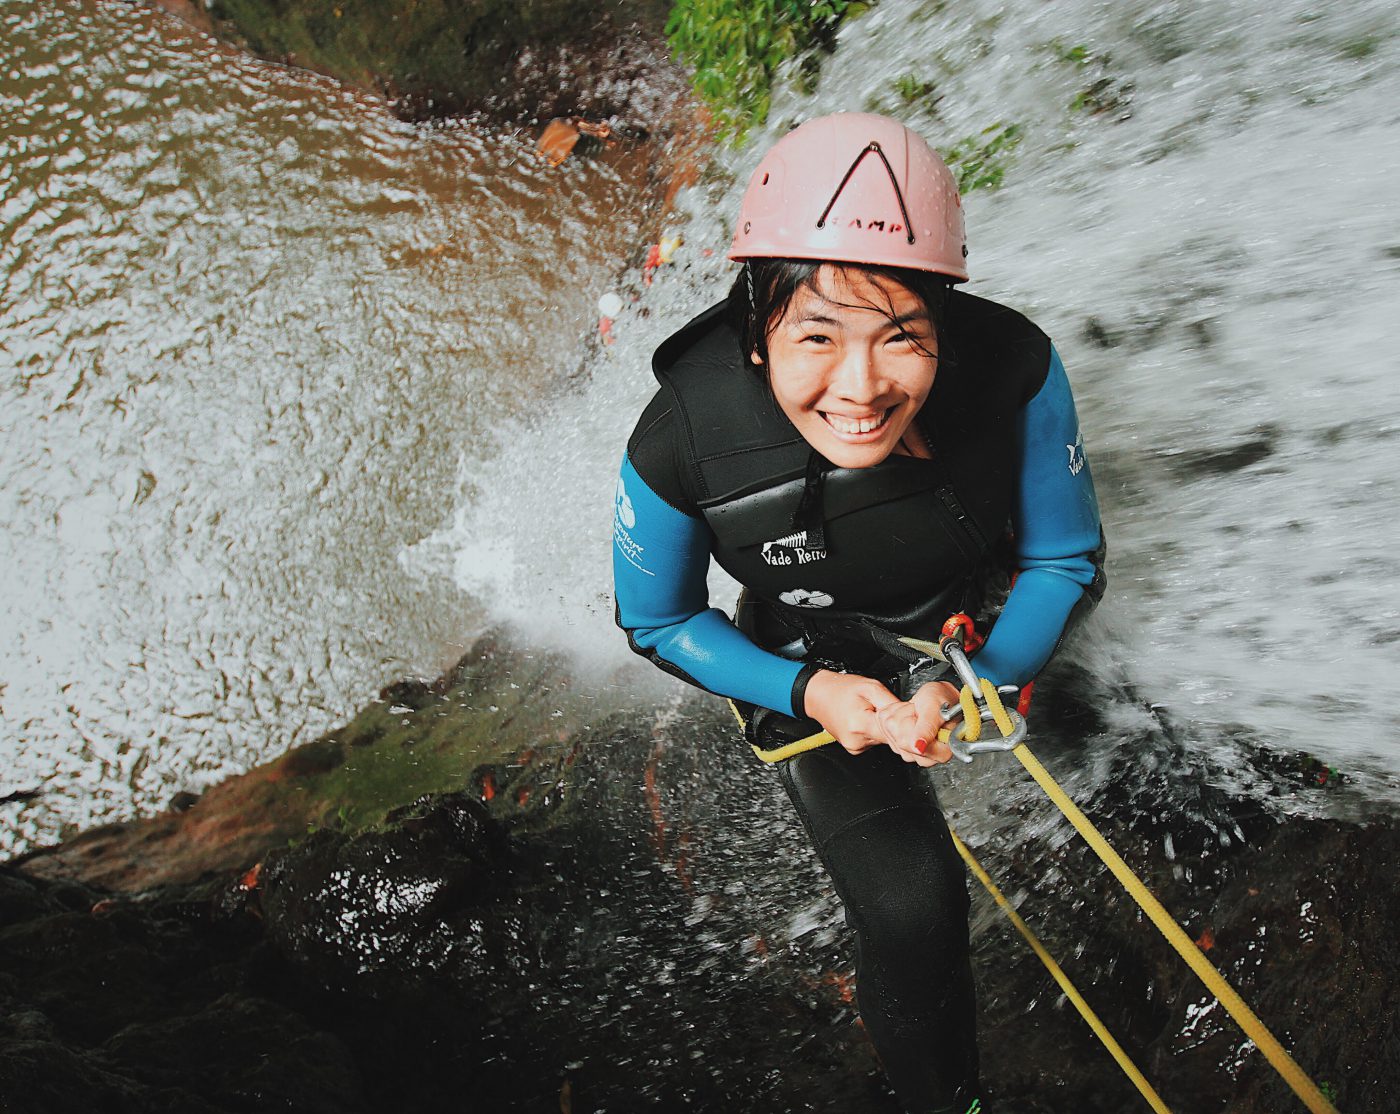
x: 961, y: 627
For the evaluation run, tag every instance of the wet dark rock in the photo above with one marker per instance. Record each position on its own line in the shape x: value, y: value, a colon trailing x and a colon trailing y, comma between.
x: 1281, y: 904
x: 1099, y: 334
x: 317, y: 757
x: 412, y: 694
x: 495, y: 708
x: 607, y: 67
x: 141, y: 1005
x: 513, y: 63
x: 629, y: 916
x: 267, y: 1056
x: 1221, y: 462
x: 346, y: 909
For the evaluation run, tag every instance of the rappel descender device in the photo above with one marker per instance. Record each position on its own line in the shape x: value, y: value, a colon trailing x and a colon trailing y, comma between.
x: 950, y: 650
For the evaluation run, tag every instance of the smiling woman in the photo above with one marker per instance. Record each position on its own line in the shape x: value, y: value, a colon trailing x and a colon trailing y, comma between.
x: 810, y: 436
x: 852, y: 358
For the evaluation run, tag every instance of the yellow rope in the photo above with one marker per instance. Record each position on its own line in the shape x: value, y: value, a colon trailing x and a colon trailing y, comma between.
x: 1273, y: 1051
x: 787, y: 750
x: 1255, y: 1029
x: 998, y: 710
x: 1085, y: 1010
x: 811, y: 742
x: 972, y: 717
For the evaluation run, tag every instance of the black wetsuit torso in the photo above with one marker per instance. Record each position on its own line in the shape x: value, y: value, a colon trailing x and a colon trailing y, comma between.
x: 714, y: 469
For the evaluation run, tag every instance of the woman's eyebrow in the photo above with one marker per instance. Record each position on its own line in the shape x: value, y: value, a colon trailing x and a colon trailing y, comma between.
x: 913, y: 316
x: 816, y: 317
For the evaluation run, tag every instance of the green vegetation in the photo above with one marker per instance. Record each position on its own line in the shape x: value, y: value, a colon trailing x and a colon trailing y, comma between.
x: 737, y: 46
x: 501, y: 725
x: 1106, y: 93
x: 432, y: 56
x: 911, y: 89
x: 1077, y: 55
x: 1358, y: 49
x: 980, y: 161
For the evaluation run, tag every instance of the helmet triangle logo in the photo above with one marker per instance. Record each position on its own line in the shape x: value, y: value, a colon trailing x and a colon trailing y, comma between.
x: 870, y: 148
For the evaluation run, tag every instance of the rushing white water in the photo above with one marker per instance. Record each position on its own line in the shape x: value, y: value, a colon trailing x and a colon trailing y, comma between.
x: 282, y: 376
x: 1201, y: 212
x: 249, y: 325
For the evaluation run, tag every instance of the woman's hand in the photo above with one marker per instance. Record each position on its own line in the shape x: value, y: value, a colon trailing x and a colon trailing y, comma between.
x: 848, y: 706
x: 912, y: 727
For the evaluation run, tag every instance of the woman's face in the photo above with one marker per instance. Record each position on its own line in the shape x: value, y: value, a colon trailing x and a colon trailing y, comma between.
x: 850, y: 363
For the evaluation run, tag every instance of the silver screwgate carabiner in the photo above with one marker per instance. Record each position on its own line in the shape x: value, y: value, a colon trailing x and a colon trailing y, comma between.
x: 964, y: 752
x: 954, y: 654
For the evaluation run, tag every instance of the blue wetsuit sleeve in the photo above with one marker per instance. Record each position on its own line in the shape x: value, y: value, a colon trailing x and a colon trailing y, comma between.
x: 660, y: 560
x: 1055, y: 520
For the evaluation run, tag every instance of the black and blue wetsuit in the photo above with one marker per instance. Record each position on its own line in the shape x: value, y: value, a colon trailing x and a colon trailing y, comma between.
x: 715, y: 470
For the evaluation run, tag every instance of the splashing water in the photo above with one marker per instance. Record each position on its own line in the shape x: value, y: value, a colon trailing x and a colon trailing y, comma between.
x: 1198, y: 209
x: 284, y: 377
x: 249, y: 325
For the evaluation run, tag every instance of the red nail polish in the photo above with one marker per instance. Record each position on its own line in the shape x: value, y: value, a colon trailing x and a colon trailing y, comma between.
x: 921, y: 745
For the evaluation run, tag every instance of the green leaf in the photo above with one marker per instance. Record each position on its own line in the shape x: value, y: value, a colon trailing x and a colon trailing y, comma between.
x: 737, y: 47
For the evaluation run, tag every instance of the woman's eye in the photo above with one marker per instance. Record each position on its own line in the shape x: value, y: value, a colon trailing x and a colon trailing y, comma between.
x: 816, y: 338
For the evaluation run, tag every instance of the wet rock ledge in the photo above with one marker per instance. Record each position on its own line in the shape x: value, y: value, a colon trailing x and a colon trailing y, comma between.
x: 512, y: 61
x: 473, y: 897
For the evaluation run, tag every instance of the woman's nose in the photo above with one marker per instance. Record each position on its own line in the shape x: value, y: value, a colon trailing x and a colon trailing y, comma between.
x: 858, y: 378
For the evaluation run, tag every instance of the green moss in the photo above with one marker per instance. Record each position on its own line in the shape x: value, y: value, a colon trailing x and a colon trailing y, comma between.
x: 452, y: 53
x: 1105, y: 92
x: 1077, y: 55
x: 504, y: 726
x: 980, y: 161
x: 736, y: 48
x: 1360, y: 48
x: 912, y: 90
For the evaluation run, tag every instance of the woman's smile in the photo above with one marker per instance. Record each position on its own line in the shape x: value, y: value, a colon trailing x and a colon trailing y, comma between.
x: 854, y: 427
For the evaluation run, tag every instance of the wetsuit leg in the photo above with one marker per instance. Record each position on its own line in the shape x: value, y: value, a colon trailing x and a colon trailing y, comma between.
x: 877, y: 828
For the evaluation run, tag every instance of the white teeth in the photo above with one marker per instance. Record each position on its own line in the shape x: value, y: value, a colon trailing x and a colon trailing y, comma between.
x: 855, y: 425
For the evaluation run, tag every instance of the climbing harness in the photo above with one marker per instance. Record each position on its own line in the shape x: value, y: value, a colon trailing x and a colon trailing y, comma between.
x: 980, y: 703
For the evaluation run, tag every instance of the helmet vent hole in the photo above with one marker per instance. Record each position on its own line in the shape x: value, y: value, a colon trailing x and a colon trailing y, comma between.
x: 765, y: 180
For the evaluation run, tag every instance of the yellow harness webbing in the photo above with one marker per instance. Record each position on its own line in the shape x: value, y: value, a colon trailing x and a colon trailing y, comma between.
x: 1086, y: 1011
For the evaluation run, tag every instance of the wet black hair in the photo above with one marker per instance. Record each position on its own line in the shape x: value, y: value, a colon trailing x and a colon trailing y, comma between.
x: 765, y: 288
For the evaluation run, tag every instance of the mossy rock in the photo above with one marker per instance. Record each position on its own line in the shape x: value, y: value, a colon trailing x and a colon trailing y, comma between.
x: 515, y: 60
x: 503, y: 725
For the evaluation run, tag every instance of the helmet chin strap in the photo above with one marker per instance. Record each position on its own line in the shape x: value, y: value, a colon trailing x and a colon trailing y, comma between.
x: 894, y: 182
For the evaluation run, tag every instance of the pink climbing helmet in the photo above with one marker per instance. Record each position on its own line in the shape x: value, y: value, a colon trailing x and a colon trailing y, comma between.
x: 854, y: 187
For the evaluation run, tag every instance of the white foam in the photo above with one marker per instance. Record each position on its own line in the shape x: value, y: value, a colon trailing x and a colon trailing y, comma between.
x: 1231, y: 232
